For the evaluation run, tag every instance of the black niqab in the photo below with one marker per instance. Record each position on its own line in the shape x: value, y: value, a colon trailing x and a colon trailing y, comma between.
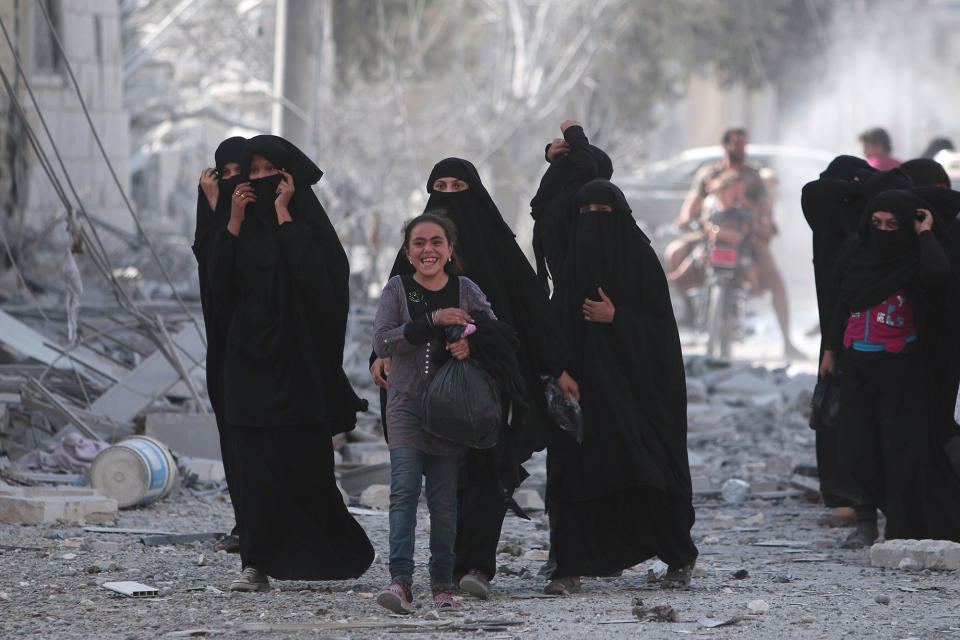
x: 884, y: 261
x: 633, y: 387
x: 287, y: 293
x: 846, y: 168
x: 924, y: 172
x: 553, y: 208
x: 639, y: 354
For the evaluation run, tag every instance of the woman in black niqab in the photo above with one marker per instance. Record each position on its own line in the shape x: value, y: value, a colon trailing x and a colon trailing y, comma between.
x: 832, y: 206
x: 489, y: 255
x: 553, y: 208
x: 895, y: 280
x: 213, y: 210
x: 280, y: 273
x: 624, y: 494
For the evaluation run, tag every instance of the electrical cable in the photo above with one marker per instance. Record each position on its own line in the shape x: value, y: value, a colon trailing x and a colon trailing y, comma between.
x: 113, y: 173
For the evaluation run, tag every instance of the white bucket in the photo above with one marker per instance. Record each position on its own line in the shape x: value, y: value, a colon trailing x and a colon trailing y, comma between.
x: 134, y: 472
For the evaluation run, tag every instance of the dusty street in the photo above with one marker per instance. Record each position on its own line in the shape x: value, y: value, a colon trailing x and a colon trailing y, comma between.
x: 767, y: 568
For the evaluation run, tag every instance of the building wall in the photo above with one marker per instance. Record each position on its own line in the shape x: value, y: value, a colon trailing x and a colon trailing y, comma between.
x: 90, y: 33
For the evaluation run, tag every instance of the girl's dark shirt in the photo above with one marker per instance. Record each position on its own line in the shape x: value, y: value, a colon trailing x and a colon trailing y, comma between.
x: 421, y: 302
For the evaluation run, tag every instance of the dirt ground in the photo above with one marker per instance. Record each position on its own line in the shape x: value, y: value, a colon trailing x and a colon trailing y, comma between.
x: 50, y: 581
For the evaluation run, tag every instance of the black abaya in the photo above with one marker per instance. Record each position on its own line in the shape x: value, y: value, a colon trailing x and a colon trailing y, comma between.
x: 554, y: 206
x: 893, y: 420
x: 208, y: 222
x: 624, y: 494
x: 831, y: 206
x: 282, y: 385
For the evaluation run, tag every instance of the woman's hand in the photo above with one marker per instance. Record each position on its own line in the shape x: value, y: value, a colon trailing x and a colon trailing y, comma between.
x: 284, y: 192
x: 210, y: 184
x: 599, y: 311
x: 450, y: 316
x: 558, y: 148
x: 459, y: 349
x: 828, y: 364
x: 242, y: 196
x: 569, y: 387
x: 379, y: 370
x: 923, y: 222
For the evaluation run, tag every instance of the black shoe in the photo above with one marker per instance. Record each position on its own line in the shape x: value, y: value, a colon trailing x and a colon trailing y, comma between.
x: 863, y: 536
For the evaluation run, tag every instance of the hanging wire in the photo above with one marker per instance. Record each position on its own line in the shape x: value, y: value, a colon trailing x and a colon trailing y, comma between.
x: 113, y: 173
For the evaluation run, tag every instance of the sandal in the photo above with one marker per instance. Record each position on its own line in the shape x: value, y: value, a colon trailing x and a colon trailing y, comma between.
x: 563, y: 586
x: 229, y: 543
x: 678, y: 577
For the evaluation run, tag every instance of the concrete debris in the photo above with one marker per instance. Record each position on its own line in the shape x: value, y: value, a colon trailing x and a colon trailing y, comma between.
x: 916, y: 554
x: 355, y: 481
x: 758, y: 607
x: 529, y: 500
x: 366, y: 453
x: 376, y: 496
x: 188, y: 434
x: 755, y: 520
x: 46, y: 505
x: 537, y: 555
x: 721, y: 521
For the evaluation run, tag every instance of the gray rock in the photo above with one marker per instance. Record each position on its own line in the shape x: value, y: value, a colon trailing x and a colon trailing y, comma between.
x: 376, y: 496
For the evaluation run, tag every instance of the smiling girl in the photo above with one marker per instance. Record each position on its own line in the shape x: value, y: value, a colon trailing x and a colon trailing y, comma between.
x: 408, y: 328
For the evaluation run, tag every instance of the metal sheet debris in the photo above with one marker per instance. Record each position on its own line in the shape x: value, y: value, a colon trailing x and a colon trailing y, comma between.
x: 132, y: 589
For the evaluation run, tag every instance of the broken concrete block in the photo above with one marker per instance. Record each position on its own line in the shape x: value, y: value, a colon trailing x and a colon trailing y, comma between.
x: 537, y: 555
x: 756, y: 520
x: 356, y: 480
x: 747, y: 383
x: 189, y: 434
x: 366, y: 453
x: 376, y: 496
x: 529, y: 499
x: 721, y: 521
x: 45, y: 505
x: 696, y: 390
x: 206, y: 470
x: 927, y: 554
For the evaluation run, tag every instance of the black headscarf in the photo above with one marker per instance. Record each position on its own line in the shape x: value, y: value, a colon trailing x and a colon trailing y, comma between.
x: 476, y: 198
x: 884, y: 261
x: 553, y: 208
x: 230, y: 150
x: 926, y: 173
x: 846, y: 168
x: 630, y: 372
x: 288, y: 318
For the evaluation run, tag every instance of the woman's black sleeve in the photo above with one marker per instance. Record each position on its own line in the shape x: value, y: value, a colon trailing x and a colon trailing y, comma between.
x: 934, y: 263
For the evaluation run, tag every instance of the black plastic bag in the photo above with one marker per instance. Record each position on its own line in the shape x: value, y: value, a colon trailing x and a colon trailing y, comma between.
x: 463, y: 405
x: 825, y: 404
x: 567, y: 415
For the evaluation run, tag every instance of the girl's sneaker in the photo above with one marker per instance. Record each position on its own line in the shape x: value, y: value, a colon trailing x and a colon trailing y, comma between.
x: 443, y: 600
x: 398, y: 597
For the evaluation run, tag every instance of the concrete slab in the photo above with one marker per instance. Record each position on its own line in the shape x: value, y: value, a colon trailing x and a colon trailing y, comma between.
x: 46, y: 505
x: 366, y: 453
x: 919, y: 554
x: 189, y: 434
x: 141, y: 387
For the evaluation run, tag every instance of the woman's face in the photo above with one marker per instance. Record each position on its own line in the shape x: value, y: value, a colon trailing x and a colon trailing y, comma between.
x: 885, y: 221
x: 428, y: 249
x: 260, y: 167
x: 595, y: 207
x: 229, y: 170
x: 450, y: 184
